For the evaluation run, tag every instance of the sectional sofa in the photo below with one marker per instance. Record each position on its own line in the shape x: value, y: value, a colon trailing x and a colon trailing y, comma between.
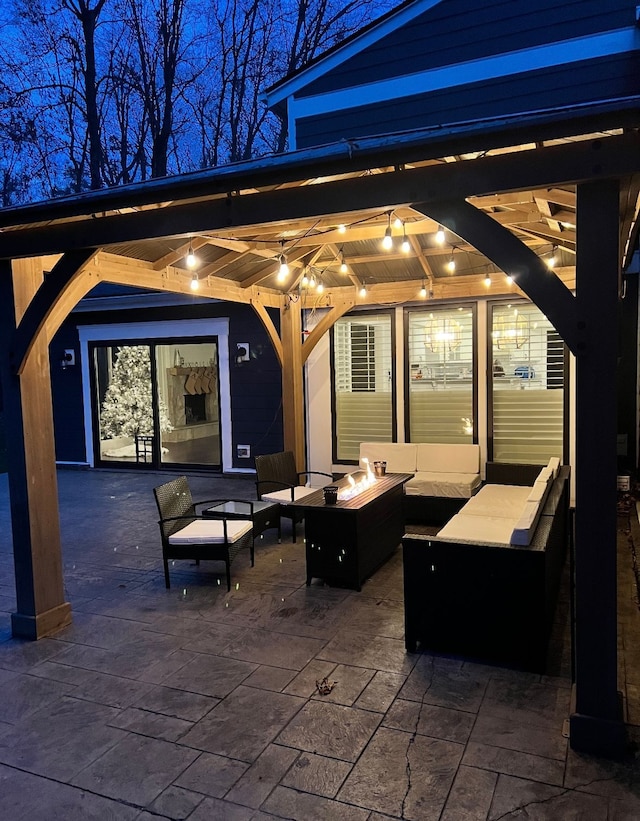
x: 486, y: 585
x: 445, y: 475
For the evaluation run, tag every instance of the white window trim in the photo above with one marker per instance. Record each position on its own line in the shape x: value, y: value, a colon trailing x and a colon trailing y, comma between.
x: 184, y: 328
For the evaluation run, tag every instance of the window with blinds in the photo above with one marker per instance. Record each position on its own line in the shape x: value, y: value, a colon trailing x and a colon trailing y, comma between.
x: 440, y: 360
x: 528, y: 385
x: 362, y: 355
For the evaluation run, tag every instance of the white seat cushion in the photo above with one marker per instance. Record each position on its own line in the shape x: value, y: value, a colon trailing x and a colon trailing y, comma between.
x: 210, y: 531
x: 447, y: 458
x: 283, y: 496
x: 399, y: 456
x: 477, y: 530
x: 448, y: 485
x: 503, y: 501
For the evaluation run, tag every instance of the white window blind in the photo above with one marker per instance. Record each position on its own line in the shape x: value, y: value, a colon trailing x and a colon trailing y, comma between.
x: 440, y: 363
x: 363, y: 367
x: 528, y: 385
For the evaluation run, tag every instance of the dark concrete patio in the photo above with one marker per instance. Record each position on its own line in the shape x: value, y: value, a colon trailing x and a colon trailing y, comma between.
x: 201, y: 704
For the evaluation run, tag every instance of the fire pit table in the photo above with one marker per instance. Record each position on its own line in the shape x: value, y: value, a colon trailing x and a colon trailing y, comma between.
x: 347, y: 541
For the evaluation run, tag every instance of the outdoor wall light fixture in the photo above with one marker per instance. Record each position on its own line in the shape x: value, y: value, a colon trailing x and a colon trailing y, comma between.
x: 68, y: 358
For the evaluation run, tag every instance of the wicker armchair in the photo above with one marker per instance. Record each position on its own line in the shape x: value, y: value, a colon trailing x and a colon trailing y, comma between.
x: 277, y: 480
x: 186, y: 534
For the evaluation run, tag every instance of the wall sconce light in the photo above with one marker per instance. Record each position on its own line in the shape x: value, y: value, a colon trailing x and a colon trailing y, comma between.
x: 68, y: 358
x: 242, y: 352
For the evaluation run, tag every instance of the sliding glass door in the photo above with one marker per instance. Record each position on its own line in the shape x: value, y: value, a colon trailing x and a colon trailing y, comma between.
x: 156, y: 404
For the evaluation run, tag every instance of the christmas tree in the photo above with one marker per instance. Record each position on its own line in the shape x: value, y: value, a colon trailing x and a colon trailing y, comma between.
x: 127, y: 408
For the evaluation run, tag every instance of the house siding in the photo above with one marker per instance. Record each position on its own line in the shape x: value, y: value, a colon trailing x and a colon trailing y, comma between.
x: 462, y: 30
x: 606, y: 78
x: 256, y: 385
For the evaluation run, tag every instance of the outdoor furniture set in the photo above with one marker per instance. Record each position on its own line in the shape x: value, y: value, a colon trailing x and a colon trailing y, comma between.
x: 486, y: 585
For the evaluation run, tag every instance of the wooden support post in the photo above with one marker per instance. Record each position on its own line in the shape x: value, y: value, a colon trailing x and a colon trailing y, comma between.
x: 596, y: 721
x: 41, y: 606
x: 292, y: 381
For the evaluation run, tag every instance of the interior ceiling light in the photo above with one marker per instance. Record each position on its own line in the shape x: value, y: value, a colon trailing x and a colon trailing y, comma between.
x: 191, y: 259
x: 195, y: 282
x: 283, y: 271
x: 387, y: 242
x: 406, y: 245
x: 440, y: 235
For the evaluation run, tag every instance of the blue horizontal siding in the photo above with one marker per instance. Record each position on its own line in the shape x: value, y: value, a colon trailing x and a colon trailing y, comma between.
x: 603, y: 79
x: 463, y: 30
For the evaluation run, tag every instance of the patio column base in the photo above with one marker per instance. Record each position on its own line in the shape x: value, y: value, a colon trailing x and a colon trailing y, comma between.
x: 598, y: 736
x: 42, y: 624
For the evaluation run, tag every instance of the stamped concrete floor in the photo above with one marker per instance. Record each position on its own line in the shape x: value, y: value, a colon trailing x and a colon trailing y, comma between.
x: 194, y: 703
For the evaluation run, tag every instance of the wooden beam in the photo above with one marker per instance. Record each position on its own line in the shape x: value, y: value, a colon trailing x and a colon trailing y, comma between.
x: 52, y: 294
x: 327, y: 322
x: 270, y: 328
x: 551, y: 166
x: 529, y: 272
x: 293, y: 415
x: 41, y: 608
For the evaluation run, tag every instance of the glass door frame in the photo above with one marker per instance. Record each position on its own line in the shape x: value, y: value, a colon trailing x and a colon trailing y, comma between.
x: 156, y: 462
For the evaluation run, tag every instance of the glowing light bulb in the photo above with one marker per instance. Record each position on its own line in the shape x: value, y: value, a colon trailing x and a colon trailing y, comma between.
x: 195, y: 282
x: 423, y: 291
x: 451, y: 265
x: 342, y: 228
x: 387, y: 242
x: 440, y: 235
x: 191, y: 259
x: 487, y: 281
x: 283, y: 271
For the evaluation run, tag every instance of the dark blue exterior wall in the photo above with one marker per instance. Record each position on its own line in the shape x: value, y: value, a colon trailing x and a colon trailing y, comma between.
x: 462, y: 30
x: 534, y: 91
x: 256, y: 385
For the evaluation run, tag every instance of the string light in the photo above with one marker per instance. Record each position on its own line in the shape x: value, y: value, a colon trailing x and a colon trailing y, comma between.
x: 343, y: 265
x: 305, y: 279
x: 195, y: 282
x: 451, y: 265
x: 283, y: 271
x: 406, y: 245
x: 487, y: 281
x: 387, y: 242
x: 398, y: 223
x: 319, y: 286
x: 440, y: 235
x: 191, y: 259
x: 509, y: 279
x: 363, y: 290
x: 551, y: 262
x: 342, y: 228
x: 423, y: 290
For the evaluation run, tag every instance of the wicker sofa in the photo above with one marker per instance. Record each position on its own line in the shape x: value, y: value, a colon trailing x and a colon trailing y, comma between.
x: 486, y: 586
x: 445, y: 475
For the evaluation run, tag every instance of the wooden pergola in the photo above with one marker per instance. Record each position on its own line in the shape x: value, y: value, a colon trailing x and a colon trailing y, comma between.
x: 504, y: 209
